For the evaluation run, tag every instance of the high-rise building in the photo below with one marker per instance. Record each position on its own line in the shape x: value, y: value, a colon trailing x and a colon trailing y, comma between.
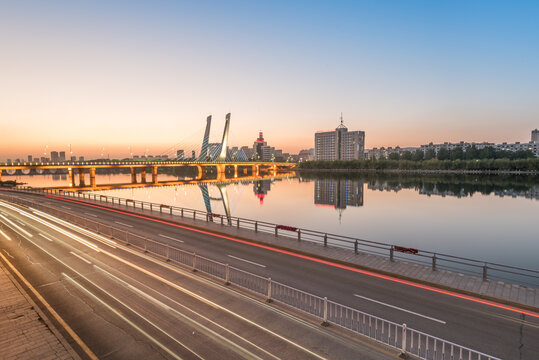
x: 180, y: 154
x: 339, y: 144
x: 81, y: 158
x: 73, y: 158
x: 535, y: 136
x: 54, y: 156
x: 29, y: 158
x: 62, y: 156
x: 258, y: 145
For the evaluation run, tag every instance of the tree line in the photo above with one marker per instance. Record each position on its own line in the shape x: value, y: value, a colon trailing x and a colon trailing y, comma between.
x: 469, y: 158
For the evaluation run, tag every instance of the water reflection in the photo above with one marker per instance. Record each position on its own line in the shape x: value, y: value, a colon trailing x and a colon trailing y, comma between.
x: 338, y: 193
x: 328, y: 186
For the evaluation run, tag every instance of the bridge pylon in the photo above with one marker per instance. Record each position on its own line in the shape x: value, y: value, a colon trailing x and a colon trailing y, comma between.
x: 224, y: 141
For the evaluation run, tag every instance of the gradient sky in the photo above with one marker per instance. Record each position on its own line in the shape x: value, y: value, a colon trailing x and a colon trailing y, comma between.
x: 114, y: 74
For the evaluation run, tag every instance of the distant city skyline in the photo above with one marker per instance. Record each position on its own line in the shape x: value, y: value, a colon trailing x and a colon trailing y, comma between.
x: 117, y: 78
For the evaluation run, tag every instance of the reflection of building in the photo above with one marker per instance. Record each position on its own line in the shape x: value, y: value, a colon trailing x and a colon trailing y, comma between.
x: 338, y: 193
x: 261, y: 188
x: 339, y: 144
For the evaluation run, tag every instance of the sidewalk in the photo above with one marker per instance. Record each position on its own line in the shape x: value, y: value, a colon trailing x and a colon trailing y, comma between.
x: 23, y: 333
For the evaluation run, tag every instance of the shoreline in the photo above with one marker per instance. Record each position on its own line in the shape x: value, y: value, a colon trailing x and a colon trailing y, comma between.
x: 424, y: 171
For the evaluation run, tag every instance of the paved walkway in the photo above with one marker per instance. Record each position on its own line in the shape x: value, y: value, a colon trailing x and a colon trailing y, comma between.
x: 502, y: 291
x: 23, y: 333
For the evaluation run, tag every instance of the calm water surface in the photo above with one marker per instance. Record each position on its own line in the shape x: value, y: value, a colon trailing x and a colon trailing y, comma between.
x: 489, y: 218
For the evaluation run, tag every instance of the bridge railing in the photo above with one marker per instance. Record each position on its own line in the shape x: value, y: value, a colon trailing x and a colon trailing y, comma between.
x: 398, y: 336
x: 436, y: 261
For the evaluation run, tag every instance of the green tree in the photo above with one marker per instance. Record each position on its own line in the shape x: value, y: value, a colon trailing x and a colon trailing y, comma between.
x: 394, y: 156
x: 471, y: 153
x: 418, y: 155
x: 407, y: 155
x: 430, y: 154
x: 443, y: 154
x: 457, y: 153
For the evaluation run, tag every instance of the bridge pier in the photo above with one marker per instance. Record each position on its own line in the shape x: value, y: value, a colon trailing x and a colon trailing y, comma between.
x: 133, y: 175
x: 274, y: 167
x: 154, y: 174
x: 143, y: 175
x: 235, y: 171
x: 81, y: 177
x: 71, y: 177
x: 200, y: 175
x: 92, y: 177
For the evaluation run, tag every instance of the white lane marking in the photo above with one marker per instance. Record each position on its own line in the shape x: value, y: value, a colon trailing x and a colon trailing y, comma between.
x: 401, y: 309
x: 94, y: 215
x: 62, y: 231
x: 99, y: 238
x: 20, y: 222
x: 171, y: 238
x: 119, y: 223
x: 46, y: 237
x: 4, y: 235
x: 124, y: 318
x: 247, y: 261
x: 16, y: 226
x: 212, y: 333
x: 8, y: 254
x: 66, y: 207
x: 80, y: 257
x: 211, y: 303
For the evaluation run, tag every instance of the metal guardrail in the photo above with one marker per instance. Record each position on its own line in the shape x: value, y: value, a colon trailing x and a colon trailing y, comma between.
x: 484, y: 269
x: 398, y: 336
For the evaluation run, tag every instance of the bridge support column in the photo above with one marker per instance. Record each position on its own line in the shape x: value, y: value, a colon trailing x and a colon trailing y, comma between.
x: 92, y: 177
x: 274, y: 170
x: 201, y: 172
x: 235, y: 171
x: 133, y: 175
x: 257, y: 170
x: 71, y: 177
x: 221, y: 168
x: 81, y: 177
x: 154, y: 174
x: 143, y: 175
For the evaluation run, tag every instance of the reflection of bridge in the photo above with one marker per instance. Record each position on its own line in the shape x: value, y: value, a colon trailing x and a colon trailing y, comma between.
x: 207, y: 164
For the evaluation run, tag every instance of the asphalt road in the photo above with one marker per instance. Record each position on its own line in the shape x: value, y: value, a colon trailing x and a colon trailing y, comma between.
x: 502, y: 333
x: 125, y: 306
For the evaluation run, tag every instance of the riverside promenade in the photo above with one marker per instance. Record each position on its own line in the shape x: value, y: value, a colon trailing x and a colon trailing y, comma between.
x: 24, y: 333
x: 499, y: 291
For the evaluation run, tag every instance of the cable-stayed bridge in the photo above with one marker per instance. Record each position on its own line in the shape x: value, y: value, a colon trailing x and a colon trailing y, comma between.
x: 212, y: 161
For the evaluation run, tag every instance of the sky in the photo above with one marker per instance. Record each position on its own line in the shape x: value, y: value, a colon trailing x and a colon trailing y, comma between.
x: 121, y: 77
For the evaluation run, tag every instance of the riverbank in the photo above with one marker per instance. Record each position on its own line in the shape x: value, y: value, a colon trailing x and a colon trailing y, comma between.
x: 420, y: 171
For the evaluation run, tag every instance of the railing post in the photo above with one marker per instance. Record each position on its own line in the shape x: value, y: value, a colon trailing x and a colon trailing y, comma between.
x: 485, y: 272
x: 194, y: 214
x: 145, y: 245
x: 181, y: 212
x: 168, y: 252
x: 227, y: 275
x: 325, y: 314
x: 434, y: 262
x: 207, y: 217
x: 269, y: 291
x: 222, y: 221
x: 404, y: 339
x: 276, y: 230
x: 355, y: 246
x: 256, y: 226
x: 299, y: 234
x: 325, y: 239
x: 194, y: 262
x: 391, y: 250
x: 238, y: 223
x: 127, y: 238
